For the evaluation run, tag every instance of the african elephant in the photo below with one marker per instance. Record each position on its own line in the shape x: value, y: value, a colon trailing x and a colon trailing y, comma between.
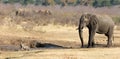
x: 96, y: 24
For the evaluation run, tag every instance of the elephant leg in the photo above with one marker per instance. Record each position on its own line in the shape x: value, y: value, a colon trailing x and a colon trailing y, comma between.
x: 109, y: 43
x: 91, y: 38
x: 93, y: 43
x: 109, y: 36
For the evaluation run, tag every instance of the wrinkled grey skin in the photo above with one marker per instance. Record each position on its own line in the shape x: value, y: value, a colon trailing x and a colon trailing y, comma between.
x: 96, y: 25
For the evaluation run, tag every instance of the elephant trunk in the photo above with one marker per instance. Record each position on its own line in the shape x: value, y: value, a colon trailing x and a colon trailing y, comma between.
x: 81, y: 36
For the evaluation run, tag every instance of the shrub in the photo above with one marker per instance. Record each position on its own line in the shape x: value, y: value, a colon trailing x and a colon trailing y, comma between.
x: 116, y: 20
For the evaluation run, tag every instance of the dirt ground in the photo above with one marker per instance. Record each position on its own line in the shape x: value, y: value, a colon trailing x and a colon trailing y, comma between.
x: 60, y: 43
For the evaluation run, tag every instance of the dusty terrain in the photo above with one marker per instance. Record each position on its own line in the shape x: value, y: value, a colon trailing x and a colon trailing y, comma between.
x: 56, y: 32
x: 63, y: 43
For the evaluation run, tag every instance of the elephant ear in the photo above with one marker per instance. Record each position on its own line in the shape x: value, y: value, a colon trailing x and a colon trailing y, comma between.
x: 93, y: 19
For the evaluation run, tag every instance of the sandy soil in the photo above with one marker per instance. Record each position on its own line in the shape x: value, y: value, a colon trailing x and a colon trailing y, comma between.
x: 82, y: 53
x: 64, y: 37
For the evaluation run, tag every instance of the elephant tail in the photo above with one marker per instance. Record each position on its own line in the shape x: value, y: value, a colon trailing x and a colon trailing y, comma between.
x: 113, y: 36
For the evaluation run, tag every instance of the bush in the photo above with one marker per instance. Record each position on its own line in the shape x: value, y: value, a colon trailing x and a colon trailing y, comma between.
x: 116, y: 20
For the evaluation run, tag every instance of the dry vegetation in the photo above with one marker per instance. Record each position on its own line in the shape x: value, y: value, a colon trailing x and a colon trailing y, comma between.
x: 56, y: 30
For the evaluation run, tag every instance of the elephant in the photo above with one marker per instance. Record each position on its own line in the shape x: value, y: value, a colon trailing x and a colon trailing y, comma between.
x: 96, y: 24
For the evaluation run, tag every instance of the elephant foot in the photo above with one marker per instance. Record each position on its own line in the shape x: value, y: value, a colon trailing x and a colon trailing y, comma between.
x: 108, y: 46
x: 93, y: 44
x: 82, y: 46
x: 89, y: 46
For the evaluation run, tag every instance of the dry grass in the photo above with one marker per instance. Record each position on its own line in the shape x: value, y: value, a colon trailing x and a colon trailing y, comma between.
x: 63, y: 36
x: 59, y: 16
